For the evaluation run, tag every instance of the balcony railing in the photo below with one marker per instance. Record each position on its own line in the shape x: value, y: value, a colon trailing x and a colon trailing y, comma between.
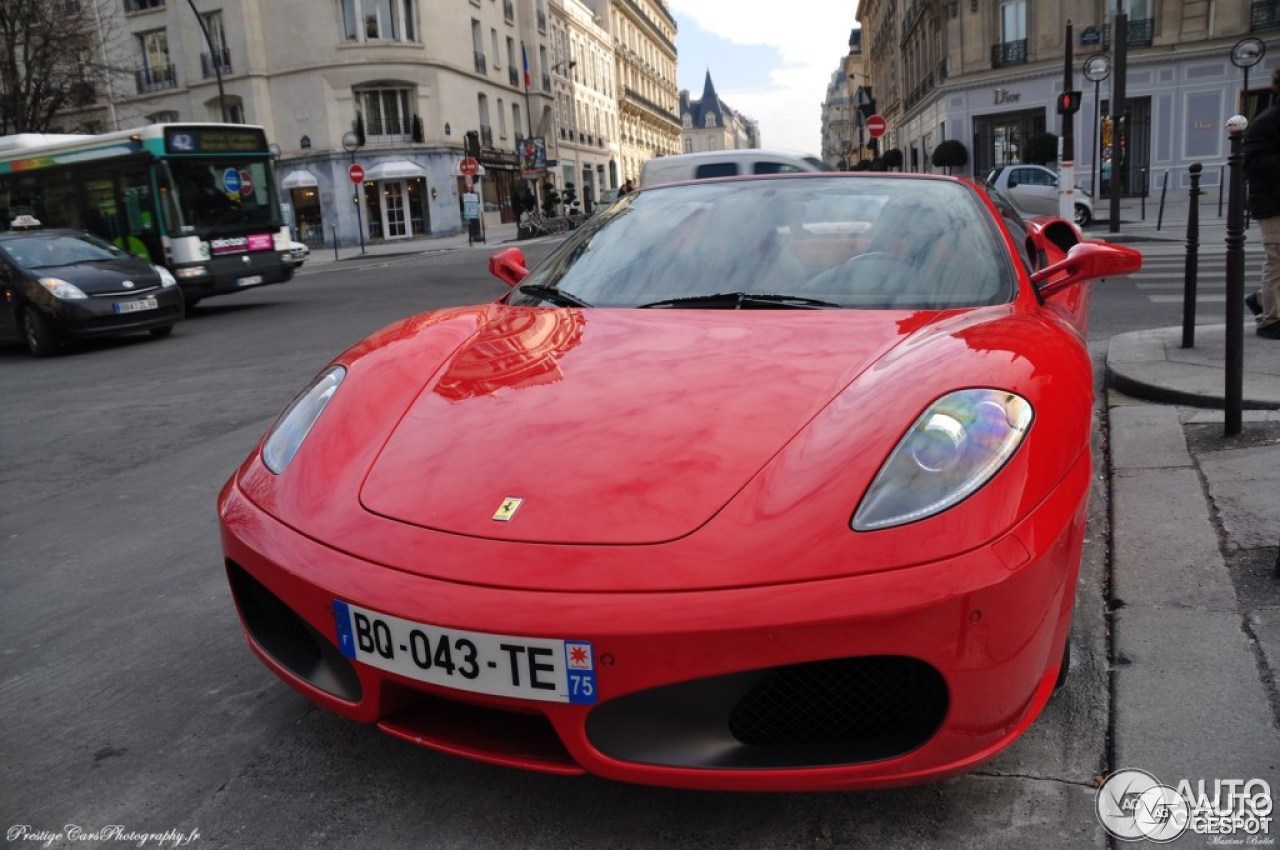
x: 220, y: 60
x: 546, y: 82
x: 1141, y: 31
x: 142, y: 5
x: 156, y: 79
x: 482, y: 67
x: 1264, y: 15
x: 486, y: 136
x: 389, y: 128
x: 1009, y: 53
x: 513, y: 76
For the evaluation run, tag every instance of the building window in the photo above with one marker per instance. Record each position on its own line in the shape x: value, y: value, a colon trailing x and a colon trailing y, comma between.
x: 168, y: 116
x: 142, y: 5
x: 502, y: 119
x: 386, y: 112
x: 379, y: 20
x: 686, y: 121
x: 688, y: 145
x: 219, y: 61
x: 1013, y: 20
x: 711, y: 119
x: 156, y: 72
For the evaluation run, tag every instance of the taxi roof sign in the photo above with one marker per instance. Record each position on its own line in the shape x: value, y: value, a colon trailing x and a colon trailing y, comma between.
x: 24, y: 222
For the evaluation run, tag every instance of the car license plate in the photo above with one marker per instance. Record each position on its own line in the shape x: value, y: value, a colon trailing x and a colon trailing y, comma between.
x: 543, y: 669
x: 148, y: 303
x: 251, y: 280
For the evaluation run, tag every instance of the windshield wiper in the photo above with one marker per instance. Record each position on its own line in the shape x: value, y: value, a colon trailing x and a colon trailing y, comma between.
x: 736, y: 300
x: 556, y: 296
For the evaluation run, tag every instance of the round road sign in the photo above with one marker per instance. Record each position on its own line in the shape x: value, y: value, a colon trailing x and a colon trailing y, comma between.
x: 356, y: 173
x: 876, y: 126
x: 469, y: 167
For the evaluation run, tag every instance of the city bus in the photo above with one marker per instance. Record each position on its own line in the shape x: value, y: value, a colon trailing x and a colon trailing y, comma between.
x: 199, y: 199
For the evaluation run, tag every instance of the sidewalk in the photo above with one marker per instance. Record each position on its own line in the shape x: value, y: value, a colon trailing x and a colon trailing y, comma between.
x: 496, y: 238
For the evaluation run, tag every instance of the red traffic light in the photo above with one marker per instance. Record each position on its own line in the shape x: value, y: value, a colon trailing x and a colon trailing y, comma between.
x: 1069, y: 103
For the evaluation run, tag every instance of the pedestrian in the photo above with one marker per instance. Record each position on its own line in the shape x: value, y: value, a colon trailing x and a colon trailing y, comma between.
x: 1262, y: 168
x: 626, y: 188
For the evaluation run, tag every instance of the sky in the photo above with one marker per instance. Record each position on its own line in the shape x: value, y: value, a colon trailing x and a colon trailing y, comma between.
x: 769, y: 61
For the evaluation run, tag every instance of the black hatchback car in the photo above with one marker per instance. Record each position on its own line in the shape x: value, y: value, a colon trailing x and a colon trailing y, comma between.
x: 59, y: 284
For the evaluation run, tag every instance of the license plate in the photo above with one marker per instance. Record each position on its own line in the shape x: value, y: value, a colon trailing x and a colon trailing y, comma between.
x: 542, y: 669
x: 251, y: 280
x: 148, y: 303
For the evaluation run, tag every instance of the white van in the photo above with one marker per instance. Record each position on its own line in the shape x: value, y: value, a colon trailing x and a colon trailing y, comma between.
x: 705, y: 164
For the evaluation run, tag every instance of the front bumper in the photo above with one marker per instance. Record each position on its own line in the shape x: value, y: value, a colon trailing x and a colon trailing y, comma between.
x: 87, y: 318
x: 969, y: 647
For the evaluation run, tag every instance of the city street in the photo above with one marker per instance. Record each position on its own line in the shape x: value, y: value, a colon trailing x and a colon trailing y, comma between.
x: 128, y: 695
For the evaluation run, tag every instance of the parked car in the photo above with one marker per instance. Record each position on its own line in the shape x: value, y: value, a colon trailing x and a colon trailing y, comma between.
x: 59, y: 284
x: 1033, y: 189
x: 299, y: 253
x: 754, y: 483
x: 727, y: 163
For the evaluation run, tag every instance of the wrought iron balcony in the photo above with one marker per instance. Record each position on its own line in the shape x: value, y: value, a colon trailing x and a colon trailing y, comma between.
x: 486, y: 136
x: 388, y: 128
x: 482, y: 67
x: 156, y: 79
x: 1141, y: 31
x: 513, y: 76
x: 1009, y: 53
x: 220, y: 59
x: 1264, y: 15
x: 546, y: 82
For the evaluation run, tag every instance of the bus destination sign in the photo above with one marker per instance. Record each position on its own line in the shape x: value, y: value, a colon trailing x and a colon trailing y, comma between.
x: 181, y: 140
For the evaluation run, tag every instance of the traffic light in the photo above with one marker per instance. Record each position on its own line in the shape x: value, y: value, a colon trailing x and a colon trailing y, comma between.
x: 1069, y: 103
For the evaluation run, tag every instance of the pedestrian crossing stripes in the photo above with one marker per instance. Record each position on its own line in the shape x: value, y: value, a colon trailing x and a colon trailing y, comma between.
x: 1162, y: 278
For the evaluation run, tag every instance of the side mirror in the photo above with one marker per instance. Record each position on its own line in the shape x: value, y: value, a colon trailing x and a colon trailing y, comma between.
x: 508, y: 266
x: 1087, y: 261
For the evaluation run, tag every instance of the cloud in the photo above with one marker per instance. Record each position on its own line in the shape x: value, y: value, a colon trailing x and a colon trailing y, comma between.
x: 808, y: 39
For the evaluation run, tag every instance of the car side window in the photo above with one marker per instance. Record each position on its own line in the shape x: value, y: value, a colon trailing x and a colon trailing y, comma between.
x: 715, y: 169
x: 773, y: 168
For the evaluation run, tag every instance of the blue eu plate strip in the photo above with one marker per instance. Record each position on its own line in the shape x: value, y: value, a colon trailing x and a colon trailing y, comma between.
x: 346, y: 640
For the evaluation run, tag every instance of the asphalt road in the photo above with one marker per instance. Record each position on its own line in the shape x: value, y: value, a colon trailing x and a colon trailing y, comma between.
x: 128, y: 696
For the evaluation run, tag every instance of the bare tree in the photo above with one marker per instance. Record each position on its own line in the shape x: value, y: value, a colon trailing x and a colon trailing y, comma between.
x: 52, y: 58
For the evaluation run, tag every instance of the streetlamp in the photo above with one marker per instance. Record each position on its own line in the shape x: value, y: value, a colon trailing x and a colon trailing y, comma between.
x: 351, y: 143
x: 215, y: 59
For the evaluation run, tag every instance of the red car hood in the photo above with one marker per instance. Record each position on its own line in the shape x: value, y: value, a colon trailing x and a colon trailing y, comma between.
x: 615, y: 426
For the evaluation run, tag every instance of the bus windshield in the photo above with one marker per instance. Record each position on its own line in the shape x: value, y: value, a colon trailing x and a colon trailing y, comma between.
x: 217, y: 192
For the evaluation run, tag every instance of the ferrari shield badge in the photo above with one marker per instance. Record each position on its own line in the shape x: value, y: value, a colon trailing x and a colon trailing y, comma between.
x: 507, y: 510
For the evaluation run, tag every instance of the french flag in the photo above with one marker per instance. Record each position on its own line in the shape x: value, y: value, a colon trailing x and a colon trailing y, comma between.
x: 525, y: 57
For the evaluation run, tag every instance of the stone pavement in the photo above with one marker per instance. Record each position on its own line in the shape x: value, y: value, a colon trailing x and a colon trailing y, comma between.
x: 1195, y: 576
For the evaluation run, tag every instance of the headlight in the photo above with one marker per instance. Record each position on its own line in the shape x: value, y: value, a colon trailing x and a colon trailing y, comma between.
x: 193, y: 271
x: 61, y: 289
x: 166, y: 279
x: 954, y: 448
x: 294, y: 425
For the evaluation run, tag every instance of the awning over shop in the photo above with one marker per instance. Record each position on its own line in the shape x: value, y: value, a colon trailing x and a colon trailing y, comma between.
x: 300, y: 179
x: 394, y: 169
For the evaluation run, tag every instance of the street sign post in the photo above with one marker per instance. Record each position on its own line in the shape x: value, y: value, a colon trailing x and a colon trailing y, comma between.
x: 356, y: 173
x: 876, y: 125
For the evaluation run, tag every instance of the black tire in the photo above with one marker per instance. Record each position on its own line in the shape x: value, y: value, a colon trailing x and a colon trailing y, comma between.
x: 191, y: 301
x: 1082, y: 215
x: 36, y: 333
x: 1065, y: 668
x: 161, y: 332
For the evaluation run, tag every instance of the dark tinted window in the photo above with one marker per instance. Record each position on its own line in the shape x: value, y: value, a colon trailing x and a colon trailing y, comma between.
x: 715, y: 169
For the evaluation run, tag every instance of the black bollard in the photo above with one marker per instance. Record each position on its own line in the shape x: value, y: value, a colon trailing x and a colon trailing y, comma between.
x: 335, y: 241
x: 1191, y: 270
x: 1232, y: 415
x: 1221, y: 183
x: 1143, y: 200
x: 1164, y: 188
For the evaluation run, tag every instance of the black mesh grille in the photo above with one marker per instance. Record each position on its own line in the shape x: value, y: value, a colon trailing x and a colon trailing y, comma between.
x: 895, y: 702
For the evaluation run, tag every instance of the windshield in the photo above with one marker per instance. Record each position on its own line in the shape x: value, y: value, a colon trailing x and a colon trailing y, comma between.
x: 216, y: 192
x: 846, y: 241
x: 46, y: 250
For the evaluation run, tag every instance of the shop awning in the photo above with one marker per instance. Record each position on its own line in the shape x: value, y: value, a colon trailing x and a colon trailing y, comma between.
x: 394, y: 169
x: 300, y: 179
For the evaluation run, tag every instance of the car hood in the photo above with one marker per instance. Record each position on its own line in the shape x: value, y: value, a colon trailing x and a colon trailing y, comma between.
x: 614, y: 426
x: 104, y: 276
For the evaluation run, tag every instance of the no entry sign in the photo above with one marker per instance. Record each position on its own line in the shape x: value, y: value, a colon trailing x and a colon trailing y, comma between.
x: 356, y: 173
x: 469, y: 167
x: 876, y: 126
